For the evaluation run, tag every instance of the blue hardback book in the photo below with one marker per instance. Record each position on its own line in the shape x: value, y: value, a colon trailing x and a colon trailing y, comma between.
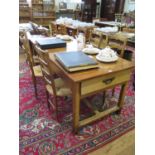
x: 47, y: 43
x: 74, y: 61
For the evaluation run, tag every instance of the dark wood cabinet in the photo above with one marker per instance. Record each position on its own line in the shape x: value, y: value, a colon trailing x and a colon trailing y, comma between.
x: 88, y: 10
x: 110, y: 7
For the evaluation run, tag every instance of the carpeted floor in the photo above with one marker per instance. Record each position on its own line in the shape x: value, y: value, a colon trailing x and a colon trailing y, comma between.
x: 41, y: 134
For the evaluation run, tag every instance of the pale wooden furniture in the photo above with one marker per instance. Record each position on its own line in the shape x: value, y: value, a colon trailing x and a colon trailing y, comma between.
x: 104, y: 40
x: 86, y: 31
x: 54, y: 86
x: 24, y: 12
x: 58, y: 29
x: 71, y: 30
x: 53, y: 28
x: 62, y: 29
x: 95, y: 38
x: 35, y: 69
x: 118, y: 43
x: 85, y: 83
x: 43, y: 12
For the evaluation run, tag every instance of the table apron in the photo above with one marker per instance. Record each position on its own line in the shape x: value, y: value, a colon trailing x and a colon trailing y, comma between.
x: 103, y: 82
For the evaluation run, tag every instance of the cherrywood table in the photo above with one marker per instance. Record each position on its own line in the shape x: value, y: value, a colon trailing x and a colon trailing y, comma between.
x: 88, y: 82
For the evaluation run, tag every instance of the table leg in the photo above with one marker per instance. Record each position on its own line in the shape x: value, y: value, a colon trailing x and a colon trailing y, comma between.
x: 76, y: 107
x: 122, y: 96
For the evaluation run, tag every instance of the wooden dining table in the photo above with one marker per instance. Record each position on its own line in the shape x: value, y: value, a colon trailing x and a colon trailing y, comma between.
x: 88, y: 82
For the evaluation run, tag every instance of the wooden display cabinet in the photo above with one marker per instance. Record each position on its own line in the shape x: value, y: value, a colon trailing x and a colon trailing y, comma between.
x: 88, y: 10
x: 24, y: 12
x: 111, y: 7
x: 43, y: 11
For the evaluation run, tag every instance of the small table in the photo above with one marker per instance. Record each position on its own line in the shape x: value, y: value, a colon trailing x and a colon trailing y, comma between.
x: 88, y: 82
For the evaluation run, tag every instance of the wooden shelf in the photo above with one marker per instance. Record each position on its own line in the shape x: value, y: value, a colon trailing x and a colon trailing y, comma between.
x: 24, y: 11
x: 42, y: 12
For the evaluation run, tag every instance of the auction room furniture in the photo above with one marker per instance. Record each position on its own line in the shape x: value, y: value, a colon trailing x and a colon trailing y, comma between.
x: 43, y: 11
x: 118, y: 43
x: 24, y: 12
x: 86, y: 83
x: 95, y: 38
x: 54, y: 86
x: 103, y: 41
x: 35, y: 69
x: 53, y: 28
x: 86, y: 31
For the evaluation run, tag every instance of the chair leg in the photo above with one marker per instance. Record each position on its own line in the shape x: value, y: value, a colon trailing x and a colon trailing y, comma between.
x: 104, y: 97
x: 113, y: 91
x: 35, y: 86
x: 47, y: 95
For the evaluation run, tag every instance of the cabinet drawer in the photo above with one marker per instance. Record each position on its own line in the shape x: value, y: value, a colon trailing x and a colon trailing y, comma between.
x: 103, y: 82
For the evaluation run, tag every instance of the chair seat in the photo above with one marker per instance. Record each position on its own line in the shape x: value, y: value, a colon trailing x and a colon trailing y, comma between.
x: 61, y: 89
x: 37, y: 71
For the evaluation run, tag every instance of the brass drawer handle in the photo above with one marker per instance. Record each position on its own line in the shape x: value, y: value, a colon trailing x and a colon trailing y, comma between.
x: 108, y: 81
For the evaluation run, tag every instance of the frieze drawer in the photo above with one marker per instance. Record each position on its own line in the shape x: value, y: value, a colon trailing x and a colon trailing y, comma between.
x: 104, y: 82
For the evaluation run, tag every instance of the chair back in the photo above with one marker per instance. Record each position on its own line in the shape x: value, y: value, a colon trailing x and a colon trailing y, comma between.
x: 86, y: 31
x: 95, y: 38
x: 117, y: 43
x: 28, y: 52
x: 26, y: 44
x: 48, y: 75
x: 103, y: 41
x: 62, y: 29
x: 53, y: 28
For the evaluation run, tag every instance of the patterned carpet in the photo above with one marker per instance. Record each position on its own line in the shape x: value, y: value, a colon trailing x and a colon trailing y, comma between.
x: 41, y: 134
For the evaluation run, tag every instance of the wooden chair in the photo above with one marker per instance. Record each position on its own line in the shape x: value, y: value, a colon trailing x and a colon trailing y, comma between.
x: 35, y: 69
x: 53, y: 28
x: 95, y: 38
x: 130, y: 30
x: 62, y: 29
x: 117, y: 43
x: 72, y: 31
x: 34, y: 58
x: 103, y: 41
x: 86, y: 31
x: 54, y: 86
